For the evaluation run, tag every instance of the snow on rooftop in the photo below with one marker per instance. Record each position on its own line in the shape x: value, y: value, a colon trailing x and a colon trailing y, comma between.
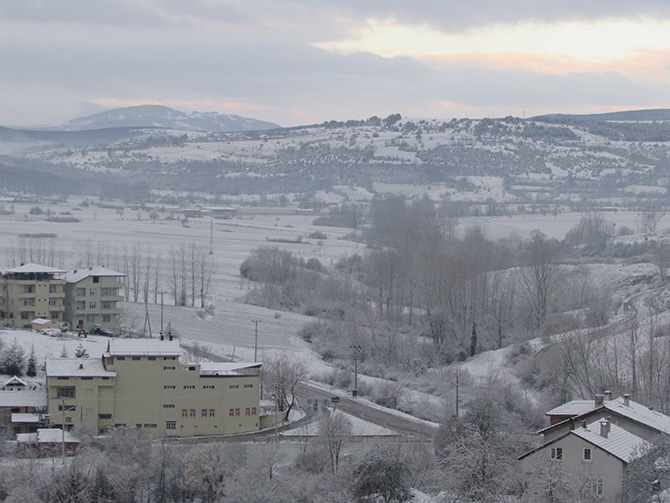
x: 225, y: 368
x: 47, y: 435
x: 34, y: 268
x: 143, y: 347
x: 80, y: 274
x: 14, y: 381
x: 573, y: 408
x: 619, y: 442
x: 41, y: 321
x: 77, y: 367
x: 640, y: 413
x: 23, y: 398
x: 18, y: 417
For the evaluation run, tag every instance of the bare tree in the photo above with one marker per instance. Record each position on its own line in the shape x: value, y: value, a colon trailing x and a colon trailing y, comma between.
x: 282, y: 375
x: 334, y: 431
x: 540, y: 278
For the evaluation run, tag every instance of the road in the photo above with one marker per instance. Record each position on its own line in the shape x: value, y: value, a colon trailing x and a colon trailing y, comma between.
x: 367, y: 412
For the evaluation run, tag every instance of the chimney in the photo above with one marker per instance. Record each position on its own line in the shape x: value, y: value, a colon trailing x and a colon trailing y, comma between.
x: 81, y: 365
x: 608, y: 396
x: 604, y: 428
x: 170, y: 334
x: 162, y: 336
x: 599, y: 401
x: 626, y: 400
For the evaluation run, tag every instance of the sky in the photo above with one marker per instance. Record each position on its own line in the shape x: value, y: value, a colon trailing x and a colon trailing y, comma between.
x: 298, y: 62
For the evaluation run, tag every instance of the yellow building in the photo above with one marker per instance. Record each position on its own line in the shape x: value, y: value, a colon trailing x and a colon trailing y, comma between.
x: 31, y: 291
x: 144, y: 383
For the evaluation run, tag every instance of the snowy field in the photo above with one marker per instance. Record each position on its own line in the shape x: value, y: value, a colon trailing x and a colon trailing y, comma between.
x: 103, y: 229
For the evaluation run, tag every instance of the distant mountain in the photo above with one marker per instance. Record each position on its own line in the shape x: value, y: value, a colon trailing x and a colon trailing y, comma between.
x: 82, y: 138
x: 658, y: 114
x: 160, y: 116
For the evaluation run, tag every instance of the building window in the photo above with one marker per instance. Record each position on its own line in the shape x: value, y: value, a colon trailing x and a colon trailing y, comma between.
x: 169, y: 386
x: 96, y: 279
x: 66, y: 408
x: 203, y: 413
x: 599, y: 487
x: 253, y: 411
x: 169, y: 358
x: 136, y: 358
x: 92, y: 292
x: 28, y: 288
x: 90, y: 318
x: 168, y: 368
x: 25, y: 316
x: 587, y: 454
x: 170, y: 425
x: 54, y: 315
x: 106, y: 318
x: 150, y: 358
x: 106, y: 292
x: 237, y: 412
x: 121, y: 358
x: 53, y: 289
x: 28, y: 302
x: 106, y: 304
x: 211, y: 412
x: 248, y: 385
x: 184, y: 413
x: 168, y: 406
x: 192, y: 413
x: 247, y: 411
x: 189, y: 386
x: 52, y: 302
x: 231, y: 412
x: 208, y: 386
x: 234, y: 386
x: 189, y: 368
x: 68, y: 392
x: 556, y: 453
x: 92, y: 305
x: 104, y: 416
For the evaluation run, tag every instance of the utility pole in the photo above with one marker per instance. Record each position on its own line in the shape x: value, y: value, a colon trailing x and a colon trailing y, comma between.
x: 256, y: 340
x: 457, y: 384
x: 211, y: 237
x: 355, y: 348
x: 62, y: 406
x: 162, y: 292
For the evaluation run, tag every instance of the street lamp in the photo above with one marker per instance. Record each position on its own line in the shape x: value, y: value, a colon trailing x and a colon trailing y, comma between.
x: 355, y: 348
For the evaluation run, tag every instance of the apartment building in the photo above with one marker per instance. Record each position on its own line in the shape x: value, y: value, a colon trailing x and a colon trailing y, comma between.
x: 31, y: 291
x: 91, y: 298
x: 144, y: 383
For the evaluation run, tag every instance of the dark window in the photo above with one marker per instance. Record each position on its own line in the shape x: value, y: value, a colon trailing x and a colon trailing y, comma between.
x: 96, y: 279
x: 68, y: 392
x: 587, y: 454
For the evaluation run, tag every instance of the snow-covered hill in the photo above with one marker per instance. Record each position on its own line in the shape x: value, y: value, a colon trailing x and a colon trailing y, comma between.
x: 160, y: 116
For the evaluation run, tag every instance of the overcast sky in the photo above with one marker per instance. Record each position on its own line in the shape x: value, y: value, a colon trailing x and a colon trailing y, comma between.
x: 305, y: 61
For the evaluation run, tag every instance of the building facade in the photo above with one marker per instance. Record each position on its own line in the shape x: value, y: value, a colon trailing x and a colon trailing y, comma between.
x: 143, y: 383
x: 31, y: 291
x: 92, y: 295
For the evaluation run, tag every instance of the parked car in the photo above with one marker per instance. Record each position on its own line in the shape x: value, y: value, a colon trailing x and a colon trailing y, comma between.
x: 102, y: 331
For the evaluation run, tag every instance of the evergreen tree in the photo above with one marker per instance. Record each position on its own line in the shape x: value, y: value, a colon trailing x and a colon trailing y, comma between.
x: 63, y: 354
x: 80, y: 351
x: 13, y: 360
x: 31, y: 366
